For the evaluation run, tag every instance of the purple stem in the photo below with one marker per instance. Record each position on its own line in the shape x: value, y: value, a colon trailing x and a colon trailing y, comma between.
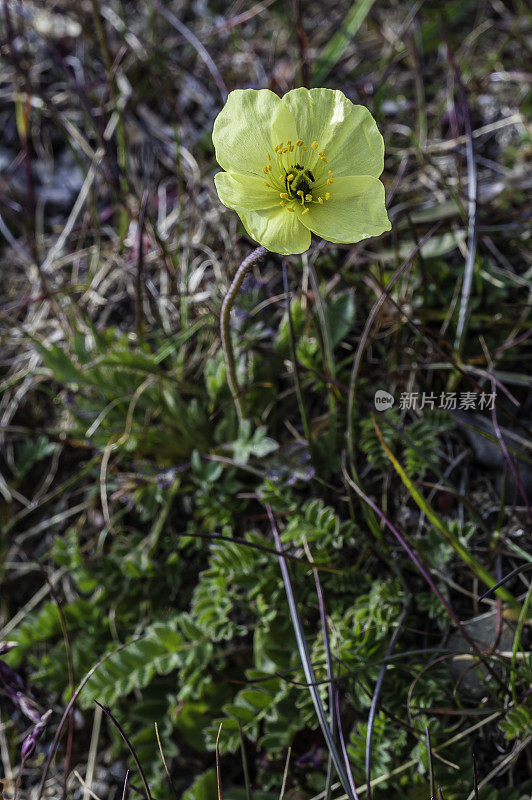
x: 342, y: 744
x: 66, y: 713
x: 333, y: 691
x: 129, y: 747
x: 376, y: 695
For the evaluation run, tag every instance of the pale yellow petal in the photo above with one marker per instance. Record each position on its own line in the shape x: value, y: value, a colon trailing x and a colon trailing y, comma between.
x: 354, y: 211
x: 249, y: 126
x: 247, y: 191
x: 277, y: 230
x: 346, y: 133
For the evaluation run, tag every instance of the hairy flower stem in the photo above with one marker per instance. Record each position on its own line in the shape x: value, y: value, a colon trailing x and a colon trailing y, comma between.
x: 225, y: 328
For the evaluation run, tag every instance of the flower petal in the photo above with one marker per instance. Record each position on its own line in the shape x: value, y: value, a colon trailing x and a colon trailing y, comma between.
x: 277, y: 230
x: 355, y: 211
x: 250, y: 124
x: 238, y: 190
x: 347, y: 134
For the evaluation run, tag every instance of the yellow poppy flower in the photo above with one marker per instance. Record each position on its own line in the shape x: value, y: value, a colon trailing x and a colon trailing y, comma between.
x: 309, y: 161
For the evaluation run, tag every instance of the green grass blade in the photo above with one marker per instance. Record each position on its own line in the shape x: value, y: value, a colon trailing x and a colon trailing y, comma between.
x: 334, y: 51
x: 481, y: 572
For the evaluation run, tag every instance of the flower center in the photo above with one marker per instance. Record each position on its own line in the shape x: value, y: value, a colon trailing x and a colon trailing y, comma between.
x: 299, y: 175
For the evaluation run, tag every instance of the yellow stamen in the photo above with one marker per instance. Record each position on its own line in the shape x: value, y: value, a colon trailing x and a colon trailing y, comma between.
x: 282, y: 203
x: 291, y: 210
x: 308, y: 198
x: 329, y: 181
x: 299, y: 142
x: 314, y: 146
x: 327, y: 196
x: 290, y: 177
x: 320, y: 201
x: 283, y: 195
x: 265, y: 170
x: 305, y: 210
x: 304, y: 149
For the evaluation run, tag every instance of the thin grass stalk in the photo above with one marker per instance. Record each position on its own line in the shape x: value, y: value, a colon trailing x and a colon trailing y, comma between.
x: 245, y: 769
x: 512, y: 574
x: 425, y: 573
x: 464, y: 308
x: 215, y: 537
x: 93, y: 752
x: 303, y: 46
x: 129, y: 747
x: 70, y: 664
x: 225, y: 325
x: 126, y: 779
x: 218, y: 771
x: 285, y: 773
x: 501, y: 766
x: 293, y: 356
x: 139, y: 276
x: 481, y: 572
x: 328, y: 355
x: 431, y: 763
x: 365, y: 335
x: 198, y: 47
x: 475, y: 776
x: 342, y: 745
x: 333, y: 691
x: 165, y: 765
x: 122, y: 150
x: 376, y: 695
x: 68, y: 709
x: 306, y: 662
x: 523, y: 616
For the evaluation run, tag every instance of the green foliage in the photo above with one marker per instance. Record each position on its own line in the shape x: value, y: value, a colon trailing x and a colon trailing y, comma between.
x: 384, y: 748
x: 30, y: 451
x: 251, y: 443
x: 140, y: 395
x: 175, y: 645
x: 203, y: 788
x: 517, y: 722
x: 320, y: 527
x: 415, y: 443
x: 124, y: 469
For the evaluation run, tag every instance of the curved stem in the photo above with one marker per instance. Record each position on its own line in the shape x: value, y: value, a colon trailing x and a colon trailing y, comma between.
x: 225, y: 329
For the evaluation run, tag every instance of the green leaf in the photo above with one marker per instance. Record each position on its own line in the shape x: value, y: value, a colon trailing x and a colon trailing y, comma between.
x: 247, y: 445
x: 203, y: 788
x: 65, y: 371
x: 341, y: 316
x: 29, y: 451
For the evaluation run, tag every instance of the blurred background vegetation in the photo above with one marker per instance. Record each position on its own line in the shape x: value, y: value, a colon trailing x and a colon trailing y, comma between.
x: 133, y: 507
